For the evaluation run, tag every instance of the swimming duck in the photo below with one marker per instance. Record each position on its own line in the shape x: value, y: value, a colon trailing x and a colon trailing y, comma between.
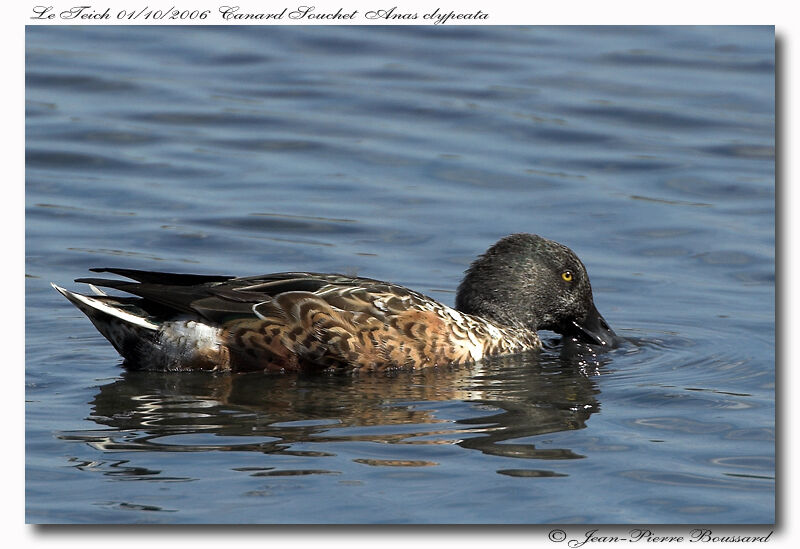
x: 310, y: 321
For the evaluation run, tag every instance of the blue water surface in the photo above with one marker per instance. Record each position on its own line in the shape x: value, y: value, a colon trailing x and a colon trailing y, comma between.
x: 401, y: 153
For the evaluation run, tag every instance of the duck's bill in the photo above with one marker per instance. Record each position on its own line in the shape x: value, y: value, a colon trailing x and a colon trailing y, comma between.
x: 595, y: 330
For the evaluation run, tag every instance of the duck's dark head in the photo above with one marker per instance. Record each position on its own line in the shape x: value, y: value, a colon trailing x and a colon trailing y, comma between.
x: 527, y: 281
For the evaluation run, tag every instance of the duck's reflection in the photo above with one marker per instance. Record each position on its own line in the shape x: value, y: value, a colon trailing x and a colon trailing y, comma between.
x: 480, y: 408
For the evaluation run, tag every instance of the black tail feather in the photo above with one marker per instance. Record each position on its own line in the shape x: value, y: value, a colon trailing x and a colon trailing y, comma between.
x: 157, y: 277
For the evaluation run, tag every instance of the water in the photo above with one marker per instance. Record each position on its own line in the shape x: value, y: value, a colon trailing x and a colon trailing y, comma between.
x: 401, y: 153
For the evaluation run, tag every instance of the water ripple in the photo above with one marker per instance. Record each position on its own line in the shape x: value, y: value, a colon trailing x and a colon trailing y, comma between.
x: 697, y: 481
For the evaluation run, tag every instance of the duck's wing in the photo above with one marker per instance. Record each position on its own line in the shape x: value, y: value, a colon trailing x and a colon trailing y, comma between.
x: 221, y: 298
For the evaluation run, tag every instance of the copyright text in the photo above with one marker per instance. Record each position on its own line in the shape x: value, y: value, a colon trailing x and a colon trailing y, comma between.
x: 644, y: 535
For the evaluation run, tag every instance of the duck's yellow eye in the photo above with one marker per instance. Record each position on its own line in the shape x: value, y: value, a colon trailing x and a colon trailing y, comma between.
x: 567, y: 275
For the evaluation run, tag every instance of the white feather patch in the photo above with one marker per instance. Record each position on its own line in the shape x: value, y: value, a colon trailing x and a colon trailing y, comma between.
x: 193, y: 333
x: 98, y: 305
x: 96, y: 290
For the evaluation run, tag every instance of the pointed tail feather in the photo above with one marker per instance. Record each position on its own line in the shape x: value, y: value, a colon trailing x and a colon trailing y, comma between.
x: 158, y: 277
x: 122, y: 328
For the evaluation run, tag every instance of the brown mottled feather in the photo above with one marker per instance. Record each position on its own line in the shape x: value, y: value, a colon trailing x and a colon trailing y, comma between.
x: 302, y: 330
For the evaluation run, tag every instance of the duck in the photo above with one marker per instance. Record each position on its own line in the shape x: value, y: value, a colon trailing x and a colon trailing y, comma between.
x: 305, y: 321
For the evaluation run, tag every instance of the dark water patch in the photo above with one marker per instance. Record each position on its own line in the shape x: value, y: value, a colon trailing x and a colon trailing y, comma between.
x: 395, y: 72
x: 487, y: 62
x: 272, y: 145
x: 294, y: 473
x: 559, y: 135
x: 70, y: 163
x: 670, y: 201
x: 282, y: 224
x: 111, y: 137
x: 488, y: 93
x: 728, y: 258
x: 669, y: 397
x: 756, y: 278
x: 611, y: 165
x: 762, y: 477
x: 206, y: 119
x: 127, y: 506
x: 186, y: 232
x: 690, y: 61
x: 597, y: 88
x: 288, y: 92
x: 304, y: 217
x: 307, y: 423
x: 122, y: 253
x: 665, y: 251
x: 696, y: 481
x: 303, y: 242
x: 530, y: 473
x: 396, y: 462
x: 754, y: 151
x: 661, y: 119
x: 558, y: 175
x: 763, y: 434
x: 723, y: 190
x: 47, y: 158
x: 668, y: 233
x: 78, y: 83
x: 120, y: 470
x: 399, y: 110
x: 236, y: 98
x: 479, y: 178
x: 718, y: 392
x: 676, y: 506
x: 528, y: 451
x: 240, y: 59
x: 682, y: 425
x: 764, y: 213
x: 39, y: 108
x: 64, y: 209
x: 327, y: 43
